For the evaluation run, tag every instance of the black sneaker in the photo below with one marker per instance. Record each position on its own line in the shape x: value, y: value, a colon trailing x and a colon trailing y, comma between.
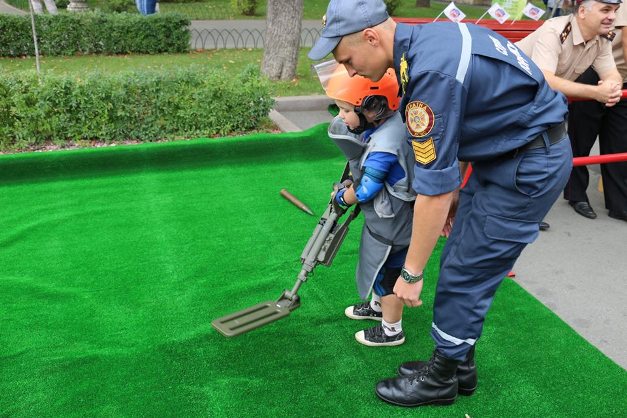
x: 376, y: 337
x: 363, y: 311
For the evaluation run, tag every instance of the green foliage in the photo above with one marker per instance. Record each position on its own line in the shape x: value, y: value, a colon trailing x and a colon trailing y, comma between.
x: 392, y: 5
x: 142, y: 105
x: 94, y: 33
x: 245, y: 7
x: 120, y: 6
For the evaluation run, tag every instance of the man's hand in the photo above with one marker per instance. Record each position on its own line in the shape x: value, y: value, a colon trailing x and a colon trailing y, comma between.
x: 408, y: 293
x: 450, y: 219
x: 609, y: 92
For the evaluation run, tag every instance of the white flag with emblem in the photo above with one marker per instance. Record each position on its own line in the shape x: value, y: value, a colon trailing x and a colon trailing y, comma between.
x: 498, y: 13
x: 533, y: 12
x: 453, y: 13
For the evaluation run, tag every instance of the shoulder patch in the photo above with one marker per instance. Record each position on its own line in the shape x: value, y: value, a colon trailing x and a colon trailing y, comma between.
x: 419, y: 118
x: 610, y: 36
x: 404, y: 70
x: 566, y: 32
x: 424, y: 151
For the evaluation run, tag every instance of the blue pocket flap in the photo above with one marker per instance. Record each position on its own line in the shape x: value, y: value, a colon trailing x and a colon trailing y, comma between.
x: 515, y: 230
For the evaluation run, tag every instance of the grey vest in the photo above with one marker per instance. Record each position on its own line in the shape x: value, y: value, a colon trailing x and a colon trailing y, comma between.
x: 389, y: 215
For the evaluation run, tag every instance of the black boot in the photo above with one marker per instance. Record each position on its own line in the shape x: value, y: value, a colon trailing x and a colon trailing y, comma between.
x: 434, y: 384
x: 466, y: 372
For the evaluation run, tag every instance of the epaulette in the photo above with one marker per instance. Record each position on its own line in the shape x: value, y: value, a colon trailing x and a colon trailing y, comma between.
x: 610, y: 36
x: 566, y: 32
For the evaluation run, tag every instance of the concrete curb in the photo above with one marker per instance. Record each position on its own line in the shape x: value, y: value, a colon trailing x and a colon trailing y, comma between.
x: 284, y: 124
x: 300, y: 103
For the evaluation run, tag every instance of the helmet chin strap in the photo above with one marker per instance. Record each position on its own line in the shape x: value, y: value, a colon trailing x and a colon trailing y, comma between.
x: 363, y: 125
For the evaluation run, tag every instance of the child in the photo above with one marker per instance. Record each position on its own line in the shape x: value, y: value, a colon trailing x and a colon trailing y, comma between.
x: 372, y: 136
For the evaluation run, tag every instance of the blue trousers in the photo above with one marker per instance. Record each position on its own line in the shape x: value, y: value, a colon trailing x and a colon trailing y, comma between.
x: 146, y: 7
x: 498, y: 215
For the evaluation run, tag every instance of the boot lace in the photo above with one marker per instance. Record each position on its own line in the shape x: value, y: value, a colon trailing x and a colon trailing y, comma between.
x: 425, y: 371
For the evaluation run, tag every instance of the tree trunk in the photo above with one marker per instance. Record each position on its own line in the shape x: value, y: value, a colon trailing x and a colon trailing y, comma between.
x: 282, y: 41
x: 423, y: 3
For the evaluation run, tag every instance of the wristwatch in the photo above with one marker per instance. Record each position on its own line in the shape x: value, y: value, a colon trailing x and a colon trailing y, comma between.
x: 410, y: 278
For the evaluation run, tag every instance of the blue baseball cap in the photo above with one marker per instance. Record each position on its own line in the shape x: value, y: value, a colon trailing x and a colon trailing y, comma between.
x: 343, y: 18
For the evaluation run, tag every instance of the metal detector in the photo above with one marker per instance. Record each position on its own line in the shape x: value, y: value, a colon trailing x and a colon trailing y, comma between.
x: 321, y: 248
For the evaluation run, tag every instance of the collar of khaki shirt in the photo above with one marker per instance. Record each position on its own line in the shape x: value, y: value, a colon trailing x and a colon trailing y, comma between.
x: 578, y: 37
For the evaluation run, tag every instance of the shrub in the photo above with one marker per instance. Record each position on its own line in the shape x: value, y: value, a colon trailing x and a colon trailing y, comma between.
x: 119, y: 6
x: 95, y: 33
x: 244, y: 7
x: 392, y: 5
x: 142, y: 105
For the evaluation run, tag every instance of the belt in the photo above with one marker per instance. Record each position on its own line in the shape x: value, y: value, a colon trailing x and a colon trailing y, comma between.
x: 555, y: 134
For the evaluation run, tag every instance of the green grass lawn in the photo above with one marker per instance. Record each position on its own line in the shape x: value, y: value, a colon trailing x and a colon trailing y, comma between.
x: 231, y: 60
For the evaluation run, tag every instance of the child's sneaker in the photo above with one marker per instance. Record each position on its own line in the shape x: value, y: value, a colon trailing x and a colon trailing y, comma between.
x: 363, y: 311
x: 376, y: 337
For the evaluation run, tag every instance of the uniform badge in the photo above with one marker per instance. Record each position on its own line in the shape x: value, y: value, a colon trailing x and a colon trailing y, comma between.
x: 424, y: 151
x: 609, y: 36
x: 419, y: 118
x: 324, y: 21
x: 566, y: 32
x: 404, y: 71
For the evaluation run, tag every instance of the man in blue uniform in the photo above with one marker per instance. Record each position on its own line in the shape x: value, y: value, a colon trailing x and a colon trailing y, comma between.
x: 468, y: 95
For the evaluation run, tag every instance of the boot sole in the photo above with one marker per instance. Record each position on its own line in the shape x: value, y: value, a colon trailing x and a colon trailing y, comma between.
x: 436, y: 402
x: 460, y: 390
x: 466, y: 392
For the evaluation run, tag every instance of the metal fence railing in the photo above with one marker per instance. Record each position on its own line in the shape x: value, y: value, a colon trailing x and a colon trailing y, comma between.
x: 234, y: 38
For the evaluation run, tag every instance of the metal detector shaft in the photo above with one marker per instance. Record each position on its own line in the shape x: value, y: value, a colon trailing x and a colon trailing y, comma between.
x: 312, y: 256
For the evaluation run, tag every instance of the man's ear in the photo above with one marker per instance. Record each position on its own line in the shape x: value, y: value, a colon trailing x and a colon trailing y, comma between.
x: 371, y: 36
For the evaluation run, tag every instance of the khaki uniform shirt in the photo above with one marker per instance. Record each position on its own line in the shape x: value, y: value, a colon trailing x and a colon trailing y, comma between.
x: 617, y: 45
x: 563, y: 52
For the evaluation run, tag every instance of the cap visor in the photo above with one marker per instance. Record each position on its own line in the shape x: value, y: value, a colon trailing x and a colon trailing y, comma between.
x: 323, y: 47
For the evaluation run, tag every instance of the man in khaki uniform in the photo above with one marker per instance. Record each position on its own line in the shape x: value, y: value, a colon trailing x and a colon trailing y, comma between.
x: 564, y: 48
x: 592, y: 119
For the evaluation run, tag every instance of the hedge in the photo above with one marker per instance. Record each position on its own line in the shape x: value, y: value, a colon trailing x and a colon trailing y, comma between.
x: 143, y: 105
x: 94, y: 33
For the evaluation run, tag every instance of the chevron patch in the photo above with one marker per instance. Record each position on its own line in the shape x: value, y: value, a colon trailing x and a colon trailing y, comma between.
x: 424, y: 151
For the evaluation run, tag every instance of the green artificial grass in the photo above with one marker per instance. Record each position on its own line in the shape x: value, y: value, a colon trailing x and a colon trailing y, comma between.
x: 115, y: 261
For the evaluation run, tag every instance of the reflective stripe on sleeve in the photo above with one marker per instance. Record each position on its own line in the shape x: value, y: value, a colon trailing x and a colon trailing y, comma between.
x: 464, y: 59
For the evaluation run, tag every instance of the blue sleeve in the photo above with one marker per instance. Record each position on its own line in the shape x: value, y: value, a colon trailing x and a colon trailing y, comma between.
x: 433, y: 117
x: 370, y: 185
x: 376, y: 169
x: 381, y: 161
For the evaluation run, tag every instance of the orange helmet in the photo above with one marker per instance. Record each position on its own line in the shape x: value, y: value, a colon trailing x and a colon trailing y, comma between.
x: 355, y: 90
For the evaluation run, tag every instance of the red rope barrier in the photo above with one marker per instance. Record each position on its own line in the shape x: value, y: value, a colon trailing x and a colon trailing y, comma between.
x: 600, y: 159
x: 579, y: 99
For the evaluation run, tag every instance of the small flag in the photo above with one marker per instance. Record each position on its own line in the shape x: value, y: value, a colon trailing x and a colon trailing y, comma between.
x: 498, y: 13
x: 453, y: 13
x: 532, y: 11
